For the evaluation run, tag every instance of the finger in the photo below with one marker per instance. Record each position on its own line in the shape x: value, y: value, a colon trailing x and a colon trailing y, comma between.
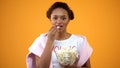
x: 52, y: 30
x: 65, y: 66
x: 62, y: 65
x: 74, y: 65
x: 77, y: 59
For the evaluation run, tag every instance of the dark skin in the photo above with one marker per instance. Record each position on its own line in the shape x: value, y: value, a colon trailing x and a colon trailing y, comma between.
x: 59, y: 17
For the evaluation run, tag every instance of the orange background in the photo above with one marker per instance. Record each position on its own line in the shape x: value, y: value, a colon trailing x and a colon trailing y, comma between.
x: 21, y: 21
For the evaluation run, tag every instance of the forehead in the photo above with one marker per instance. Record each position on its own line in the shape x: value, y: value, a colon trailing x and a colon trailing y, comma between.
x: 59, y: 12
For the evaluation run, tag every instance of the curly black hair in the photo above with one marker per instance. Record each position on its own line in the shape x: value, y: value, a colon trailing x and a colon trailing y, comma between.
x: 60, y: 5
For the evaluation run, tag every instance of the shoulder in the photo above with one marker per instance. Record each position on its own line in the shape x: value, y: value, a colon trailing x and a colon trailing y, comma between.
x: 38, y: 45
x: 79, y: 37
x: 41, y: 36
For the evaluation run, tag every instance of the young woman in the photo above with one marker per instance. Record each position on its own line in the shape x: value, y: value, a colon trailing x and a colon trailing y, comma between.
x: 42, y: 51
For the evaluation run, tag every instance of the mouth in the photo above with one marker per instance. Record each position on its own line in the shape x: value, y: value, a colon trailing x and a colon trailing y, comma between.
x: 59, y: 26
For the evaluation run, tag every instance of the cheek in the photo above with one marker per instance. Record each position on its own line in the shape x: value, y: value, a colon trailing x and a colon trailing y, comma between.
x: 52, y: 21
x: 66, y: 22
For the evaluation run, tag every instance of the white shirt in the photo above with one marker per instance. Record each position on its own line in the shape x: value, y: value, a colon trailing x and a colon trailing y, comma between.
x: 72, y: 41
x: 79, y: 42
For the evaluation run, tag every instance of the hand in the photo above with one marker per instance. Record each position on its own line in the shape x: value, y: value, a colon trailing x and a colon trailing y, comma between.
x: 51, y: 33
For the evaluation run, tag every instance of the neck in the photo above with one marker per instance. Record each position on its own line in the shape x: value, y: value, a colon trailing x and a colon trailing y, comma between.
x: 62, y: 35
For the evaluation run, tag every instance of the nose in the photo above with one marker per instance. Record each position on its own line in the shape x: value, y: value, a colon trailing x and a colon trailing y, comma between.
x: 59, y: 21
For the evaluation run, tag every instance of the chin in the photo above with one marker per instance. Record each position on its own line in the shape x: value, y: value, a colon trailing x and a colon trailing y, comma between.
x: 60, y: 31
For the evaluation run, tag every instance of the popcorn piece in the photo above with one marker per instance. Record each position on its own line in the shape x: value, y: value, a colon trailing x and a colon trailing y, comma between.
x: 58, y: 27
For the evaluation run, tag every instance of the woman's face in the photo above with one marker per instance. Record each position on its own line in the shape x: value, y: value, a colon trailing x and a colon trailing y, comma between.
x: 60, y: 18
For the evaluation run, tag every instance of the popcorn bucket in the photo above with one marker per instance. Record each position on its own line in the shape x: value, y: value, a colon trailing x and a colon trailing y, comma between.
x: 66, y: 55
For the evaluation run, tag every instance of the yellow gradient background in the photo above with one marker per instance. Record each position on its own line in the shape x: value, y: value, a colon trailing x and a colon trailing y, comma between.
x: 21, y: 21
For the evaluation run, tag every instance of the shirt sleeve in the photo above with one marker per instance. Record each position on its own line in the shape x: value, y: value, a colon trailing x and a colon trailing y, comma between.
x: 30, y: 60
x: 38, y: 45
x: 36, y: 49
x: 85, y: 52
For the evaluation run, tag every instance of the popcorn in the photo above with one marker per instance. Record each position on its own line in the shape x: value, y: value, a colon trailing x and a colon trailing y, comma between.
x: 58, y: 27
x: 67, y: 55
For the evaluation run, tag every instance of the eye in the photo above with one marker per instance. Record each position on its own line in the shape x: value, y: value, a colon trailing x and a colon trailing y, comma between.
x: 55, y: 18
x: 63, y: 18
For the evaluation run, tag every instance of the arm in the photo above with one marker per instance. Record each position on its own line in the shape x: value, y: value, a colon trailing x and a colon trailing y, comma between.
x: 87, y: 64
x: 44, y: 60
x: 37, y: 60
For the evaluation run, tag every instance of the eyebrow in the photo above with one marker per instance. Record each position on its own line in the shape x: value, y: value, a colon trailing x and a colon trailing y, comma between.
x: 60, y: 15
